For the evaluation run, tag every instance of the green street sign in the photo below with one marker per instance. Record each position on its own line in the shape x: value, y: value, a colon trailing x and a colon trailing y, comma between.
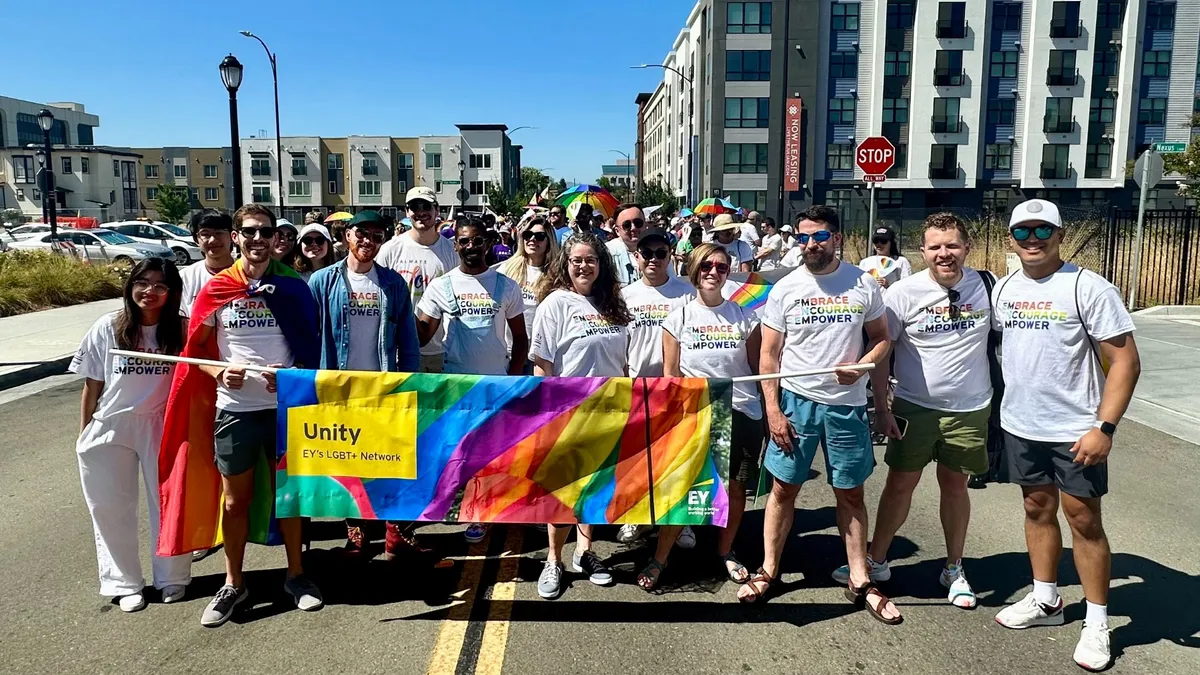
x: 1169, y: 148
x: 452, y: 182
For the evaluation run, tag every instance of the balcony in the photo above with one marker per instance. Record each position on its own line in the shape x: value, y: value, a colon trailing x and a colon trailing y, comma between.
x: 1055, y: 171
x: 370, y: 170
x: 944, y: 124
x: 260, y: 171
x: 948, y: 29
x: 1062, y: 77
x: 946, y: 77
x: 941, y: 172
x: 1055, y: 124
x: 1063, y: 29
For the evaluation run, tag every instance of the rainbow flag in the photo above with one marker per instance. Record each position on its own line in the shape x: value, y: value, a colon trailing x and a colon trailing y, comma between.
x: 495, y: 449
x: 189, y: 485
x: 750, y: 289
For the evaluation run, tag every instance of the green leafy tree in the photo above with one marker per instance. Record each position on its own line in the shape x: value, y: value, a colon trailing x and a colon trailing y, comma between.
x: 622, y: 193
x: 654, y: 193
x: 13, y: 216
x: 503, y: 203
x: 173, y: 203
x: 1186, y: 164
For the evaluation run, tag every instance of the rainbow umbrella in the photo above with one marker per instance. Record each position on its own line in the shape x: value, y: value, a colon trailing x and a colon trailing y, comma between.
x: 600, y: 199
x: 713, y: 207
x: 340, y: 215
x: 685, y: 212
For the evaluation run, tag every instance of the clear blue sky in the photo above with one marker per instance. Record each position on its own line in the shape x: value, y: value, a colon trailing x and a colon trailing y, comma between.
x: 400, y: 68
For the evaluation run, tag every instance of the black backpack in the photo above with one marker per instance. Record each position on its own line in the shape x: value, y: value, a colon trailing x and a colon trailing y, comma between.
x: 995, y: 435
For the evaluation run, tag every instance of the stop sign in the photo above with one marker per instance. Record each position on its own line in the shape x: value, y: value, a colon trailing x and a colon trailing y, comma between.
x: 875, y: 155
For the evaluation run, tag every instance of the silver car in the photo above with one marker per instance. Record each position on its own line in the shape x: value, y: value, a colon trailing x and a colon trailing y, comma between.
x: 173, y: 237
x: 97, y: 246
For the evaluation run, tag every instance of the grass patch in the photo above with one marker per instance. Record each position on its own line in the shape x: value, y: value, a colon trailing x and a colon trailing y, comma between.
x: 36, y: 280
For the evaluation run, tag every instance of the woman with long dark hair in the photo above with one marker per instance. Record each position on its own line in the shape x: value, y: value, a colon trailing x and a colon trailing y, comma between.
x: 535, y: 248
x: 581, y: 329
x: 315, y: 251
x: 121, y: 424
x: 887, y: 266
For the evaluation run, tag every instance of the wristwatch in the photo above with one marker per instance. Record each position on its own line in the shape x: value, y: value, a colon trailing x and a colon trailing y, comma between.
x: 1106, y: 428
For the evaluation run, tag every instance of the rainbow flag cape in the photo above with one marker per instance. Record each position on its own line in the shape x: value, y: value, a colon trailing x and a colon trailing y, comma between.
x: 188, y: 481
x: 495, y: 449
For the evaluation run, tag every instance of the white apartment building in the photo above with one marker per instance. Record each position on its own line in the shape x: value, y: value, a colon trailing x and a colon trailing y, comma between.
x: 437, y: 162
x: 371, y: 177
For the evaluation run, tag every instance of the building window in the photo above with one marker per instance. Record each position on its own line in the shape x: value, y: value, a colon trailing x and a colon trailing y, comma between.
x: 476, y: 187
x: 897, y: 64
x: 948, y: 69
x: 433, y: 160
x: 1104, y: 63
x: 1093, y: 198
x: 1002, y: 111
x: 998, y: 156
x: 370, y: 188
x: 1004, y: 64
x: 841, y: 110
x: 210, y: 194
x: 1064, y: 20
x: 261, y: 194
x: 66, y: 165
x: 899, y: 15
x: 995, y: 201
x: 946, y: 118
x: 117, y: 169
x: 1062, y: 68
x: 1058, y: 118
x: 1195, y: 110
x: 838, y: 199
x: 151, y: 171
x: 748, y: 17
x: 943, y: 161
x: 85, y: 165
x: 23, y: 171
x: 437, y: 186
x: 260, y: 165
x: 745, y: 158
x: 839, y: 157
x: 480, y: 161
x: 1110, y: 14
x: 1156, y: 64
x: 1055, y: 158
x: 901, y: 163
x: 1099, y: 159
x: 1006, y: 16
x: 747, y: 113
x: 299, y: 188
x: 748, y: 66
x: 406, y: 160
x: 299, y: 165
x: 28, y: 130
x: 1103, y: 109
x: 84, y: 135
x: 370, y: 167
x: 1152, y: 111
x: 889, y: 199
x: 751, y: 200
x: 1160, y: 16
x: 195, y: 194
x: 151, y: 193
x: 952, y: 20
x: 843, y: 64
x: 895, y: 110
x: 845, y: 16
x: 210, y: 170
x: 180, y: 170
x: 334, y: 173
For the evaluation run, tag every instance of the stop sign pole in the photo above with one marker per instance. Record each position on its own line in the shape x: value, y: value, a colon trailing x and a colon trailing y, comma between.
x: 875, y: 156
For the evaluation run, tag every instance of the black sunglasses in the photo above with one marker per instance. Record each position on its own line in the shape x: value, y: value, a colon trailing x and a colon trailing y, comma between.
x: 468, y: 242
x: 377, y: 236
x: 534, y: 236
x: 955, y: 311
x: 418, y: 205
x: 656, y: 253
x: 629, y: 225
x: 312, y: 241
x: 708, y: 265
x: 266, y: 232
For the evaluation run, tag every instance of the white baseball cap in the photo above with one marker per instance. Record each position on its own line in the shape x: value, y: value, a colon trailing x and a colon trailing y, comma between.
x: 315, y: 227
x: 1035, y: 210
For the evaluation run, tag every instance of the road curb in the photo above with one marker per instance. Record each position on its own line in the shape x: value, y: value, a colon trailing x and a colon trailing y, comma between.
x: 21, y: 376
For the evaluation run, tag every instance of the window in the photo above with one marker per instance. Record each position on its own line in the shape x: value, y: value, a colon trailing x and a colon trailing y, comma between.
x: 151, y: 193
x: 1006, y: 16
x: 1004, y: 64
x: 85, y: 165
x: 23, y: 171
x: 995, y: 201
x: 151, y: 171
x: 334, y: 173
x: 751, y: 200
x: 1002, y: 111
x: 181, y: 170
x: 747, y: 113
x: 839, y: 157
x: 1099, y: 159
x: 370, y: 188
x: 476, y: 187
x: 838, y: 199
x: 66, y: 165
x: 406, y: 160
x: 437, y: 186
x: 28, y: 130
x: 117, y: 169
x: 1152, y: 111
x: 261, y: 194
x: 299, y: 188
x: 745, y: 158
x: 998, y: 156
x: 1195, y: 110
x: 1055, y: 161
x: 748, y: 66
x: 897, y: 63
x: 943, y: 161
x: 299, y: 165
x: 1058, y: 118
x: 1104, y: 63
x: 195, y: 194
x: 1062, y: 68
x: 84, y: 135
x: 900, y: 166
x: 210, y: 194
x: 210, y: 170
x: 260, y: 165
x: 845, y: 16
x: 1110, y: 14
x: 1103, y: 109
x: 480, y: 161
x: 952, y: 20
x: 433, y: 160
x: 1156, y: 64
x: 841, y: 110
x: 1093, y: 198
x: 370, y: 167
x: 889, y: 199
x: 1064, y: 20
x: 843, y: 64
x: 945, y: 116
x: 948, y: 70
x: 1160, y: 16
x: 900, y: 15
x: 895, y: 110
x: 748, y: 17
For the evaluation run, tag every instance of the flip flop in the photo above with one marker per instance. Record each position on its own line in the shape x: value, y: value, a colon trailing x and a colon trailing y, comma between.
x: 858, y: 596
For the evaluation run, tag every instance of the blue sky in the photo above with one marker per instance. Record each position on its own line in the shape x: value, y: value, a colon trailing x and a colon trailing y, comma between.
x: 401, y: 68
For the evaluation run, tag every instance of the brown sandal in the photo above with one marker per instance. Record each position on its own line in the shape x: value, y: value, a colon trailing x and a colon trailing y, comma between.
x: 859, y: 596
x: 762, y: 577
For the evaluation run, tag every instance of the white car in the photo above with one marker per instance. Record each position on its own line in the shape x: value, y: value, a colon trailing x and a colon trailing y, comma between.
x: 20, y: 232
x: 173, y: 237
x: 98, y: 246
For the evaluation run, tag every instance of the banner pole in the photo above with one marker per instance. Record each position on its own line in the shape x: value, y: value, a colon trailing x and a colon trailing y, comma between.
x: 649, y: 442
x: 191, y: 361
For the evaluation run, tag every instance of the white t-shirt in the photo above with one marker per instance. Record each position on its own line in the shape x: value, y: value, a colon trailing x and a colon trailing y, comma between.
x: 749, y: 234
x: 194, y: 277
x: 131, y: 385
x: 885, y: 267
x: 793, y: 258
x: 419, y: 265
x: 365, y: 313
x: 571, y: 333
x: 1054, y: 376
x: 822, y: 319
x: 712, y: 343
x: 529, y: 298
x: 774, y: 242
x: 740, y: 251
x: 475, y: 316
x: 248, y: 333
x: 625, y: 264
x: 941, y: 363
x: 649, y: 305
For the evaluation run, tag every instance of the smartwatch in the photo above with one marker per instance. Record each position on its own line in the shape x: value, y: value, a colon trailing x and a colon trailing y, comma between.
x: 1106, y: 428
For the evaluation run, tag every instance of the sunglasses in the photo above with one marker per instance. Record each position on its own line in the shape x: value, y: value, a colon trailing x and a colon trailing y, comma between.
x: 287, y: 234
x: 1040, y: 232
x: 630, y: 225
x: 819, y: 237
x: 708, y: 266
x: 377, y: 236
x: 266, y: 232
x: 534, y: 236
x: 560, y: 214
x: 955, y: 311
x: 655, y: 253
x: 141, y: 286
x: 312, y: 241
x: 468, y: 242
x: 417, y: 206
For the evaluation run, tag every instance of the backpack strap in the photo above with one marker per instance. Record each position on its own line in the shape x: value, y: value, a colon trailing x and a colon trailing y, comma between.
x: 455, y: 310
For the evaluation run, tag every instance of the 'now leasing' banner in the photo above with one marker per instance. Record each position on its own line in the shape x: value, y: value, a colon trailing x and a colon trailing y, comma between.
x: 491, y: 449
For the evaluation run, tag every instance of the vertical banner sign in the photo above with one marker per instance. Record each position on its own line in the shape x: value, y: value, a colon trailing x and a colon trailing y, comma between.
x: 791, y: 145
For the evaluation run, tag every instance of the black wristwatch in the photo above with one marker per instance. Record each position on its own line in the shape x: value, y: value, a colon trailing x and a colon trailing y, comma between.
x: 1106, y: 428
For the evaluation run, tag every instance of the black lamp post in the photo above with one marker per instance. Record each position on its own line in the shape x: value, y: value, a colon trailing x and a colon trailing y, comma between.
x: 231, y: 75
x: 462, y: 188
x: 49, y: 192
x: 278, y: 140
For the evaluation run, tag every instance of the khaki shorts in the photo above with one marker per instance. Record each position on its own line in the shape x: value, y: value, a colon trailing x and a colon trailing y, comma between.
x: 957, y: 441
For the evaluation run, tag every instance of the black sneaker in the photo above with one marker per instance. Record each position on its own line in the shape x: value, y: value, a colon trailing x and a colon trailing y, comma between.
x: 223, y: 603
x: 587, y: 563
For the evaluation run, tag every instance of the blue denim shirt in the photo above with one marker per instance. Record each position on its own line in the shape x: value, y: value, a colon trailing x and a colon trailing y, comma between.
x: 399, y: 349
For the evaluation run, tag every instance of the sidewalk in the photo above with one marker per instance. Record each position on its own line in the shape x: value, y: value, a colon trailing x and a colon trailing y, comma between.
x: 38, y: 344
x: 1168, y: 395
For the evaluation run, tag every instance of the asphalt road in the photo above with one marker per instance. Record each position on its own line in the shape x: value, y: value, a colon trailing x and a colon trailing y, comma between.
x: 482, y: 615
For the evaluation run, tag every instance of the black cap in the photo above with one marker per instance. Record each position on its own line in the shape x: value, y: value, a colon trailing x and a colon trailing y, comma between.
x: 883, y: 234
x: 368, y: 219
x: 654, y: 233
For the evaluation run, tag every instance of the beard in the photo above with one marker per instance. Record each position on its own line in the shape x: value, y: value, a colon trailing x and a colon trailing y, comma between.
x: 817, y: 260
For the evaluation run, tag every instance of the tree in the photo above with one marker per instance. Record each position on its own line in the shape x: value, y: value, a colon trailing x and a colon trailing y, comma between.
x: 622, y: 193
x: 173, y: 203
x: 13, y: 216
x: 654, y: 193
x: 503, y: 203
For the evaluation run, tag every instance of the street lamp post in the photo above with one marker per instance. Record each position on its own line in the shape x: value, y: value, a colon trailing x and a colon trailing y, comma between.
x: 49, y: 203
x: 691, y: 114
x: 462, y: 188
x: 231, y: 75
x: 628, y: 163
x: 278, y: 141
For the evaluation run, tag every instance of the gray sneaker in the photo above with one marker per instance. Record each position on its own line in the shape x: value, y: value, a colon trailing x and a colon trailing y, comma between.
x: 550, y: 581
x: 223, y: 603
x: 587, y: 563
x: 305, y: 593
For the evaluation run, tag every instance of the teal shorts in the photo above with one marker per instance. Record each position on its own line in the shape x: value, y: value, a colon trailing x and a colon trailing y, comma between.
x: 841, y: 430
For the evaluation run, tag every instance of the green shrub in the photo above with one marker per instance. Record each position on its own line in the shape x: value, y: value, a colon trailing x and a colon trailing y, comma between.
x: 35, y: 280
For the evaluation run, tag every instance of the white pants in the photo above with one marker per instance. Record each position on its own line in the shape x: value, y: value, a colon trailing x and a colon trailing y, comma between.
x: 109, y: 453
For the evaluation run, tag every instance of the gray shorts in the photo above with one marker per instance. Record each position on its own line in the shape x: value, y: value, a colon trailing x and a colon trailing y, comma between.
x: 1032, y: 463
x: 241, y: 438
x: 432, y: 363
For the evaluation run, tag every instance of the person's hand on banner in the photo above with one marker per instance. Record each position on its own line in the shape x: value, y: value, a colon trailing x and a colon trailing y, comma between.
x: 846, y: 375
x: 269, y: 376
x: 233, y: 377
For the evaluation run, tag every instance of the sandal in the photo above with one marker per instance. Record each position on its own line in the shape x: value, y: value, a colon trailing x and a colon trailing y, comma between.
x: 760, y: 577
x: 736, y: 574
x: 859, y: 596
x: 650, y: 575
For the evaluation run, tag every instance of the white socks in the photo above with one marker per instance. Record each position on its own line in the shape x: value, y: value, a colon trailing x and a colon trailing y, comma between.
x: 1045, y: 592
x: 1097, y: 615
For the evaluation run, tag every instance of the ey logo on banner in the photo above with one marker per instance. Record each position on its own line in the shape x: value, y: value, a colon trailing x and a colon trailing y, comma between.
x: 359, y: 439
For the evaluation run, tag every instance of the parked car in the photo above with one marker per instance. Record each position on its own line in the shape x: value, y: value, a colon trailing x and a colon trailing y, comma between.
x: 20, y: 232
x: 98, y: 246
x: 176, y: 238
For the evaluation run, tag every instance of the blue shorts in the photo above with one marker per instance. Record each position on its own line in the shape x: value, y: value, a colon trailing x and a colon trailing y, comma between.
x: 842, y: 431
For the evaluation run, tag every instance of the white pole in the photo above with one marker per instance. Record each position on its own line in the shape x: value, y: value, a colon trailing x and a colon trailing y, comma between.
x: 1137, y: 237
x: 871, y: 218
x: 805, y: 373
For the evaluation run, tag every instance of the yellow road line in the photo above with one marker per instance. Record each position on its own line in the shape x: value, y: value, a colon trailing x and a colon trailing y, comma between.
x: 495, y: 631
x: 446, y: 650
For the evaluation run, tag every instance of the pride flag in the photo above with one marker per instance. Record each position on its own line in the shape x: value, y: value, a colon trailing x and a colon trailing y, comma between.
x: 498, y: 449
x: 750, y: 289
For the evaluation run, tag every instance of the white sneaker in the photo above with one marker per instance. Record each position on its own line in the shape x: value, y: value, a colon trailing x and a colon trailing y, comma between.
x: 687, y: 539
x: 961, y: 593
x: 631, y: 533
x: 132, y: 603
x: 1029, y: 612
x: 173, y: 594
x: 1093, y: 653
x: 877, y: 571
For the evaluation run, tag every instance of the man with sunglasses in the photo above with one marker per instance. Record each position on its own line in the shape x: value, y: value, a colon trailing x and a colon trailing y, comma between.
x: 725, y: 234
x: 558, y: 221
x: 1061, y: 326
x: 212, y: 231
x: 630, y: 224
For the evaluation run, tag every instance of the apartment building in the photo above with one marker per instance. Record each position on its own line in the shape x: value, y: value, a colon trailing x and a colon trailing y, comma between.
x: 619, y: 174
x: 207, y: 174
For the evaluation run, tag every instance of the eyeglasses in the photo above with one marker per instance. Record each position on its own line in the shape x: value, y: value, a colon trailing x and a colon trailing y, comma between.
x: 708, y: 266
x: 630, y: 225
x: 955, y: 311
x: 287, y: 234
x: 141, y: 286
x: 312, y: 241
x: 377, y: 236
x: 560, y: 214
x: 266, y: 232
x: 1041, y: 232
x: 820, y: 237
x: 534, y: 236
x: 655, y: 253
x: 586, y: 261
x: 418, y: 205
x: 468, y: 242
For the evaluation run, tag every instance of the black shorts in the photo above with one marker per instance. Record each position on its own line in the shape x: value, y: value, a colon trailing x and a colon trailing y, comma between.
x: 241, y: 438
x: 745, y: 449
x: 1032, y: 463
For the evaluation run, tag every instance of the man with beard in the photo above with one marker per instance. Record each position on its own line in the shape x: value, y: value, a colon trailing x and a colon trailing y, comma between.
x: 815, y: 318
x: 213, y: 232
x: 558, y: 221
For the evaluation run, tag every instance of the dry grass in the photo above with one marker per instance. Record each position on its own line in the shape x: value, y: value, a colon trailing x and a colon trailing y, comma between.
x: 35, y: 280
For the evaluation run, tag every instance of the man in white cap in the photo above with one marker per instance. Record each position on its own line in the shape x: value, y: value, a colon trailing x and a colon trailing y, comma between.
x: 725, y: 233
x: 1061, y: 326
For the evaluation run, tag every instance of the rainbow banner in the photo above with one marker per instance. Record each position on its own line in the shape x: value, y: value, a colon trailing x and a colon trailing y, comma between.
x: 494, y: 449
x: 750, y: 289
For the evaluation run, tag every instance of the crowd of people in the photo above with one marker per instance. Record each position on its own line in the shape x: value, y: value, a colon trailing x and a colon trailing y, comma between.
x: 622, y: 296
